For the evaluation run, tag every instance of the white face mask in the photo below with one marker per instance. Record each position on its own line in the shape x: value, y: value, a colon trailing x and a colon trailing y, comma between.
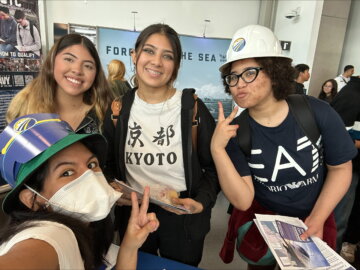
x: 89, y: 197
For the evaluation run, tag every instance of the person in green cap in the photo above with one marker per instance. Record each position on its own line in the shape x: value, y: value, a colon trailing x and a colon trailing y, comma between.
x: 60, y: 201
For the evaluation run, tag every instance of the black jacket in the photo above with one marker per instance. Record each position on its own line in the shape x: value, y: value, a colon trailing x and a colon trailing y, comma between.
x: 347, y: 105
x: 299, y: 88
x: 200, y: 173
x: 90, y: 124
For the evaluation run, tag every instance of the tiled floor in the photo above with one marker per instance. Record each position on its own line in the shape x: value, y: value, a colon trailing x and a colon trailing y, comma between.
x: 215, y: 238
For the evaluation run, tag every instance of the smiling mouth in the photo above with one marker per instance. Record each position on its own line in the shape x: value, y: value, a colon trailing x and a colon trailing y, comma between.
x: 153, y: 72
x: 72, y: 80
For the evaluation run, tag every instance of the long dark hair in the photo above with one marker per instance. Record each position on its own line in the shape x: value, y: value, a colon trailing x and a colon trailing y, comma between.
x: 333, y: 92
x: 173, y: 38
x: 94, y: 240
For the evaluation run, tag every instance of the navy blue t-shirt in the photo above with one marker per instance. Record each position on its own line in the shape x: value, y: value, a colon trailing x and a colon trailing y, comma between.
x: 286, y: 169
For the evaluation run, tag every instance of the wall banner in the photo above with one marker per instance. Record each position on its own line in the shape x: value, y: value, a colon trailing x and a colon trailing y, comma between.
x: 20, y: 48
x: 199, y: 69
x: 20, y: 43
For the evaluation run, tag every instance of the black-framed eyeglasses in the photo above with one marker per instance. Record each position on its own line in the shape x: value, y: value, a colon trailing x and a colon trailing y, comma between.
x: 248, y: 75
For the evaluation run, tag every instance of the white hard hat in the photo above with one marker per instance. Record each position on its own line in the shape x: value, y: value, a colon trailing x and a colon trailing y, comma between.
x: 252, y: 41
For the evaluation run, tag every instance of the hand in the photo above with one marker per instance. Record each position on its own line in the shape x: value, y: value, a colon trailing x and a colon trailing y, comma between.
x: 140, y: 223
x: 223, y: 131
x: 315, y: 228
x: 193, y: 206
x: 125, y: 198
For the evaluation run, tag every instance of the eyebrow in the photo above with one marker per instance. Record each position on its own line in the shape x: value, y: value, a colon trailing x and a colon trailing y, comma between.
x: 71, y: 163
x: 243, y: 70
x: 73, y: 55
x: 152, y: 46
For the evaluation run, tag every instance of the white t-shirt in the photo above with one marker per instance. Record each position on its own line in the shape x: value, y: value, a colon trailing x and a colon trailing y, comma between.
x: 153, y: 148
x: 341, y: 81
x: 60, y: 237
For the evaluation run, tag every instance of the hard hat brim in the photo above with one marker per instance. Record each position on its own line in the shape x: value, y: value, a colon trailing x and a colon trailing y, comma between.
x: 223, y: 66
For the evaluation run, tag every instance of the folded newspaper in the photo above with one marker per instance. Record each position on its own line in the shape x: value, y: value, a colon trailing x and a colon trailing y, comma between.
x: 127, y: 189
x: 282, y: 235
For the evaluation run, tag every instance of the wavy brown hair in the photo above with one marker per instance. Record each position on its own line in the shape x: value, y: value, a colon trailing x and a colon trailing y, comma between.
x: 39, y: 95
x: 280, y: 72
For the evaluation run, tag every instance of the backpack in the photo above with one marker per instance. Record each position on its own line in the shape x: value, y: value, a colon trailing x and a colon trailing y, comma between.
x: 32, y: 25
x: 188, y: 100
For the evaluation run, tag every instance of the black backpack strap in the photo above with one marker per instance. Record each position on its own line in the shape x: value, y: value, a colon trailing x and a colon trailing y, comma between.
x: 32, y: 30
x: 31, y: 25
x: 300, y: 109
x: 243, y: 134
x: 304, y: 116
x: 189, y: 102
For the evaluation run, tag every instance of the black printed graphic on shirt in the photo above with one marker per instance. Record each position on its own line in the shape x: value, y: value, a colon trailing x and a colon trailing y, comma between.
x: 160, y: 139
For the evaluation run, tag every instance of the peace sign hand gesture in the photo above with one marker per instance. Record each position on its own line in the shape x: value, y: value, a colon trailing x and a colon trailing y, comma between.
x: 223, y: 131
x: 141, y: 223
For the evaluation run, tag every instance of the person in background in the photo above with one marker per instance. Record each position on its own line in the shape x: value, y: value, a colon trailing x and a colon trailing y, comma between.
x: 282, y: 158
x: 71, y: 83
x: 302, y: 75
x: 7, y: 30
x: 27, y: 35
x: 328, y: 90
x: 153, y: 146
x: 347, y: 215
x: 60, y: 201
x: 118, y: 83
x: 344, y: 78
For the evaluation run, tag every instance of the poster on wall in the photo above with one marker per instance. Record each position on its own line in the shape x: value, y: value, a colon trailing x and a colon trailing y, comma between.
x: 199, y: 68
x: 20, y: 48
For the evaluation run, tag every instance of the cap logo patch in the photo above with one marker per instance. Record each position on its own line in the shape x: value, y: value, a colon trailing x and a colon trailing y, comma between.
x: 238, y: 44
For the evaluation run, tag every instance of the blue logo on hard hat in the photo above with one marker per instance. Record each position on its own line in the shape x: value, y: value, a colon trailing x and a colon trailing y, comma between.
x: 24, y: 124
x: 238, y: 44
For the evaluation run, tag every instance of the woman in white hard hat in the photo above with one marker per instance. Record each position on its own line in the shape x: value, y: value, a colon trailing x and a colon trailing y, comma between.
x: 60, y: 204
x: 283, y: 174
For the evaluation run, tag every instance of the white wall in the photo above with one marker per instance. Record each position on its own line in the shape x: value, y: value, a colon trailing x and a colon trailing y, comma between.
x: 327, y: 56
x: 351, y: 51
x: 186, y: 17
x: 302, y: 31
